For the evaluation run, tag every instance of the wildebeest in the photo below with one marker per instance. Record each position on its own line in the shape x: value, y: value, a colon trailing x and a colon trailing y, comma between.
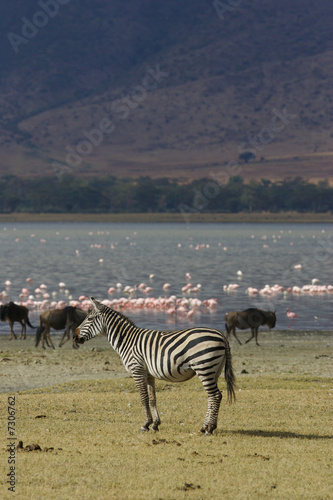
x: 69, y: 318
x: 12, y: 312
x: 250, y: 318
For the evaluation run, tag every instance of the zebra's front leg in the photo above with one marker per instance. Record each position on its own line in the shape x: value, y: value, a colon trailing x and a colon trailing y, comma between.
x: 152, y: 402
x: 140, y: 378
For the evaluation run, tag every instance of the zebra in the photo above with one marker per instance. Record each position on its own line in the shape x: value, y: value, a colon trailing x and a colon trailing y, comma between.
x: 173, y: 356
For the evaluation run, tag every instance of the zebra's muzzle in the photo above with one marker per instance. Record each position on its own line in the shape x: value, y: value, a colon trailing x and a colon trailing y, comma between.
x: 76, y: 336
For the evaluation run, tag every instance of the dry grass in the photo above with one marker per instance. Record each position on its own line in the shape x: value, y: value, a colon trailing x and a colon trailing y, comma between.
x: 275, y: 442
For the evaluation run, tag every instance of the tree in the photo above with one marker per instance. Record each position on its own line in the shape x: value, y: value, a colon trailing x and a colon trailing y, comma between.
x: 247, y: 156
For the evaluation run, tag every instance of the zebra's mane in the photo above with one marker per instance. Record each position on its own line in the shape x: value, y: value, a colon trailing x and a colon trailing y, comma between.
x: 123, y: 316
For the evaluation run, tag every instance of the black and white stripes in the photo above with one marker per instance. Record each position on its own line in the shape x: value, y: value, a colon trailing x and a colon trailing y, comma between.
x: 174, y: 356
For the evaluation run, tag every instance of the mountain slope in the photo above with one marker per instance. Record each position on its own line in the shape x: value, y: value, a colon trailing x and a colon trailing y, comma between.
x: 220, y: 87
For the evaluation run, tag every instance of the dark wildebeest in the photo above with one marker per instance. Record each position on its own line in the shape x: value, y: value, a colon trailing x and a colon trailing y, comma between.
x: 250, y: 318
x: 69, y: 318
x: 12, y: 312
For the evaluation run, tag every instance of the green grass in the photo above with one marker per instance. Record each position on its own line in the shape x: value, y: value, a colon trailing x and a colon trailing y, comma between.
x: 274, y: 442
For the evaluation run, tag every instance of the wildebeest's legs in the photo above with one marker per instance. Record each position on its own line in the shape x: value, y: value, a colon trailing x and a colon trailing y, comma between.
x: 234, y: 332
x: 70, y: 327
x: 248, y: 340
x: 67, y: 331
x: 256, y: 335
x: 47, y: 342
x: 75, y: 345
x: 23, y: 329
x: 46, y: 336
x: 66, y: 334
x: 254, y: 331
x: 11, y: 330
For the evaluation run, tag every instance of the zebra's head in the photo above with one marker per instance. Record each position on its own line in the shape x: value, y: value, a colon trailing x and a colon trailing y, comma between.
x: 92, y: 325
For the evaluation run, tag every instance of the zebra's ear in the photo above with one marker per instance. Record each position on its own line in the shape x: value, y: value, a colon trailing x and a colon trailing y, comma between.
x: 97, y: 305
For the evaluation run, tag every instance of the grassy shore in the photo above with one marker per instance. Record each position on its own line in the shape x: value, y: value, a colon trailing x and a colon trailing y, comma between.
x: 84, y: 412
x: 291, y: 217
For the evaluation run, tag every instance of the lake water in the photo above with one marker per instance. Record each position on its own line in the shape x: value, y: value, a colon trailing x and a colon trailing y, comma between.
x: 90, y: 258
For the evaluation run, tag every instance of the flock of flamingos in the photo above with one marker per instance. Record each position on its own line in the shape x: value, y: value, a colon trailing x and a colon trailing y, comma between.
x: 139, y: 297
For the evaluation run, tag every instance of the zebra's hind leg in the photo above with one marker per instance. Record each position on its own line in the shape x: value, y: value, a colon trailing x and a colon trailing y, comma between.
x: 214, y: 402
x: 205, y: 422
x: 140, y: 379
x: 152, y: 402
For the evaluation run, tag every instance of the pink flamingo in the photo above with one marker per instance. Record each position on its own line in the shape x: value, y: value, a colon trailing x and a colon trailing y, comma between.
x: 191, y: 313
x: 291, y: 315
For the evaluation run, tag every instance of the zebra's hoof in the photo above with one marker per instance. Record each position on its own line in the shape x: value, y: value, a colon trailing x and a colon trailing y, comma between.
x: 210, y: 429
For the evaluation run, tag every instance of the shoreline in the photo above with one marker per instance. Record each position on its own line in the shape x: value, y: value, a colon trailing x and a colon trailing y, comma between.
x: 281, y: 352
x: 267, y: 217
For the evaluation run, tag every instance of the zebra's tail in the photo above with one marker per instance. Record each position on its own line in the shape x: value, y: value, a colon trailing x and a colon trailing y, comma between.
x: 229, y: 375
x: 39, y: 332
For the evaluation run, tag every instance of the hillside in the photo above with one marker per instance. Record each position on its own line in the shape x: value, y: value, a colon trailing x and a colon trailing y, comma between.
x: 186, y: 90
